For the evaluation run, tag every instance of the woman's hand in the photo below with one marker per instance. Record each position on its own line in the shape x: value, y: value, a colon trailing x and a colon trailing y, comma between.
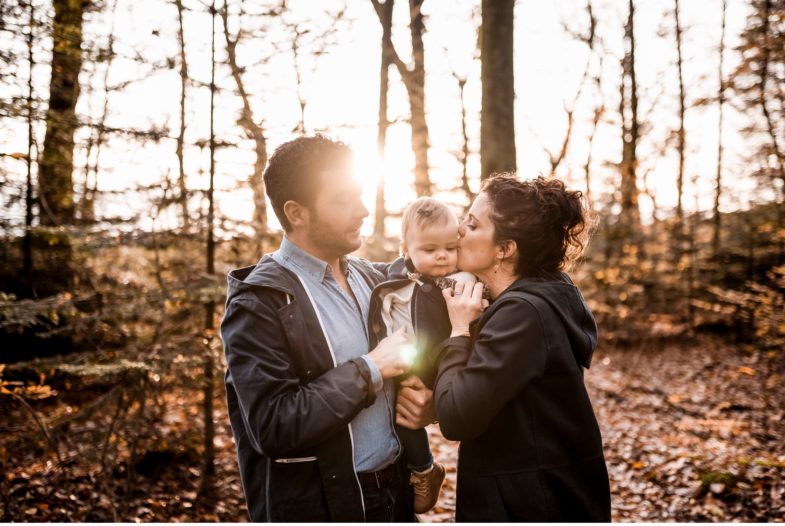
x: 464, y: 305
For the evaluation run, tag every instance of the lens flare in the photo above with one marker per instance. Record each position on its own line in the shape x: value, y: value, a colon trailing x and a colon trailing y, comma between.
x: 408, y: 354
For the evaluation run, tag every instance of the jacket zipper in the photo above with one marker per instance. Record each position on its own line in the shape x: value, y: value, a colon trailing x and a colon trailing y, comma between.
x: 335, y: 364
x: 267, y: 492
x: 294, y: 460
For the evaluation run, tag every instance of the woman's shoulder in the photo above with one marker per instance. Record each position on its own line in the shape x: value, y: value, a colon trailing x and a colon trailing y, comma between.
x: 511, y: 308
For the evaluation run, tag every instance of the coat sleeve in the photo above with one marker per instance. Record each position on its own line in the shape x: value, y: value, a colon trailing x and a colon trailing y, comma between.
x: 383, y: 268
x: 281, y: 415
x: 475, y: 381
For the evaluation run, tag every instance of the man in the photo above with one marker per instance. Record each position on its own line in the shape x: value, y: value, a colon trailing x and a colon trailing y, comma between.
x: 312, y: 411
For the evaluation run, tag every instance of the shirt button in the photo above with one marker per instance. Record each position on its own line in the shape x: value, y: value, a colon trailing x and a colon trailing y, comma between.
x: 426, y: 287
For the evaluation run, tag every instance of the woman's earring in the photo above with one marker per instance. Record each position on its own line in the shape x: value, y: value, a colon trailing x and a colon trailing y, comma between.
x: 496, y: 268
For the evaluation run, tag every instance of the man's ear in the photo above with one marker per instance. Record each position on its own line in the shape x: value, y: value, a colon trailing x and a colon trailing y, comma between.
x: 297, y: 214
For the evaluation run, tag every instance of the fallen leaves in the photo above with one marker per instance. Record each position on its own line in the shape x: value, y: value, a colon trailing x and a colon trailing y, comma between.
x: 689, y: 436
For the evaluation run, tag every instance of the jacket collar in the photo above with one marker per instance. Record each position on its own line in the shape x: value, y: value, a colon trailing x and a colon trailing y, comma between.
x: 290, y: 254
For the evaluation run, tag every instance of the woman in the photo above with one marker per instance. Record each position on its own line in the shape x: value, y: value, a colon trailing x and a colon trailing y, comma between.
x: 510, y: 384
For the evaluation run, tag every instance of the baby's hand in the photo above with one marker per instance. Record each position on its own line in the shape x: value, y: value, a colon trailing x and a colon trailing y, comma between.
x: 465, y: 277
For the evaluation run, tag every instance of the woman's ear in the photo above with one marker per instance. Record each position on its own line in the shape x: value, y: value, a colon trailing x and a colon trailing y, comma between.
x: 507, y: 249
x: 296, y: 213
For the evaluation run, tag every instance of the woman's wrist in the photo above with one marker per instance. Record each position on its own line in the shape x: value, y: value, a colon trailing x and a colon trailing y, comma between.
x: 459, y: 331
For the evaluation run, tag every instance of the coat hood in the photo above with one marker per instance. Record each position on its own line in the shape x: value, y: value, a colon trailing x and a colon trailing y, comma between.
x: 267, y: 273
x: 568, y: 304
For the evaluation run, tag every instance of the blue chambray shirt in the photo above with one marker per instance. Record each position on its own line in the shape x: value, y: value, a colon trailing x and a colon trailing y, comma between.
x: 376, y: 445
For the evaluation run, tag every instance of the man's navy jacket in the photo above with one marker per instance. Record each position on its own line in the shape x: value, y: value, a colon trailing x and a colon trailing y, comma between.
x: 290, y: 406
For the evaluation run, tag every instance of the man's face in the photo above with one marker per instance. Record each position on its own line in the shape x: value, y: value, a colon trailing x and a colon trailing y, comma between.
x: 337, y: 212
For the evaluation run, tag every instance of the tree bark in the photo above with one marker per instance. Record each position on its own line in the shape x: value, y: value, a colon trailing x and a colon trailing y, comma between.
x: 464, y: 156
x: 497, y: 120
x: 715, y: 243
x: 630, y: 214
x: 27, y: 241
x: 182, y: 197
x: 87, y: 203
x: 381, y: 137
x: 416, y: 90
x: 208, y: 466
x: 414, y: 81
x: 680, y: 134
x: 763, y: 76
x: 599, y: 108
x: 56, y: 193
x: 252, y: 130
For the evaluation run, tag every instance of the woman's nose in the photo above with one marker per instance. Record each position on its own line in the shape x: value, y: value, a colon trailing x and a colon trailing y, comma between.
x: 461, y: 231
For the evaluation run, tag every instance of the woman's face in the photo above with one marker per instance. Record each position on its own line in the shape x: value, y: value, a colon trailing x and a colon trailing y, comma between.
x: 477, y: 251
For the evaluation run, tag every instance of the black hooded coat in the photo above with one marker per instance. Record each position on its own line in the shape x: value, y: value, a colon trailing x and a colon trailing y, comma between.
x: 513, y: 394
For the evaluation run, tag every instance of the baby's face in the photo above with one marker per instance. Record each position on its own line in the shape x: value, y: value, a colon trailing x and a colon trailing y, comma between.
x: 433, y: 249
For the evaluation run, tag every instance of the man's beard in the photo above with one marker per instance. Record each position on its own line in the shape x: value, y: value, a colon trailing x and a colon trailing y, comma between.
x: 330, y: 240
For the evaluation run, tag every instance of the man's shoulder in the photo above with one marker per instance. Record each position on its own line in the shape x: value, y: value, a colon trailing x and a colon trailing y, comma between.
x: 373, y: 273
x: 264, y: 280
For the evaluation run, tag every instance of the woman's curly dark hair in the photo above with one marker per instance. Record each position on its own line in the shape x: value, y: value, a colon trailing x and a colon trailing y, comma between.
x: 549, y: 223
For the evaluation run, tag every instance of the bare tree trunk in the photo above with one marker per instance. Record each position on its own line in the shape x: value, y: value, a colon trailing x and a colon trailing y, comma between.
x: 381, y: 137
x: 85, y: 207
x: 27, y: 241
x: 599, y: 108
x: 87, y: 204
x: 56, y: 193
x: 464, y: 157
x: 497, y: 120
x: 721, y: 103
x: 693, y: 255
x: 588, y: 39
x: 182, y: 197
x: 630, y: 214
x: 416, y: 90
x: 680, y: 134
x: 556, y: 159
x: 763, y: 75
x: 252, y: 130
x: 598, y: 113
x: 414, y: 81
x: 208, y: 469
x: 299, y: 79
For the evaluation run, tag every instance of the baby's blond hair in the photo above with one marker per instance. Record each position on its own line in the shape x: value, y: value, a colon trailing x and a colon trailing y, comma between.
x: 422, y: 213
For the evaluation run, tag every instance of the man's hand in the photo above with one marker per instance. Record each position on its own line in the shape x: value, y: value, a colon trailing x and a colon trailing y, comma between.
x: 414, y: 407
x: 390, y: 356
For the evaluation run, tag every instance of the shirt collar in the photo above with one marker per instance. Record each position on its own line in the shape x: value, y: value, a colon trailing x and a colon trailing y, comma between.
x: 308, y: 263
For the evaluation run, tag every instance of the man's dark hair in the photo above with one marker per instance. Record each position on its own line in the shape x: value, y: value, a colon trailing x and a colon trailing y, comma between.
x: 293, y: 169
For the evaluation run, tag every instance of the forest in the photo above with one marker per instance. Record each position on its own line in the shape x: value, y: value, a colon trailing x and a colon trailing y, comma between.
x: 133, y: 139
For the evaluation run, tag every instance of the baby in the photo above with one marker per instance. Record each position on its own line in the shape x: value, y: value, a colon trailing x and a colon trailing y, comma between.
x: 412, y: 298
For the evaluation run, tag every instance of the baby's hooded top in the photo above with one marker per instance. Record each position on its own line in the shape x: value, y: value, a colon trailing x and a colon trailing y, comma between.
x: 415, y: 301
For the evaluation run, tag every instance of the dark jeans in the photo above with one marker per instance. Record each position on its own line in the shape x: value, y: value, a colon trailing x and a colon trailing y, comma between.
x: 388, y: 503
x: 416, y: 450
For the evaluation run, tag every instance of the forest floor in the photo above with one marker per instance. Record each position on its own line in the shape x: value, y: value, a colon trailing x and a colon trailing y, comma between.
x: 692, y: 431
